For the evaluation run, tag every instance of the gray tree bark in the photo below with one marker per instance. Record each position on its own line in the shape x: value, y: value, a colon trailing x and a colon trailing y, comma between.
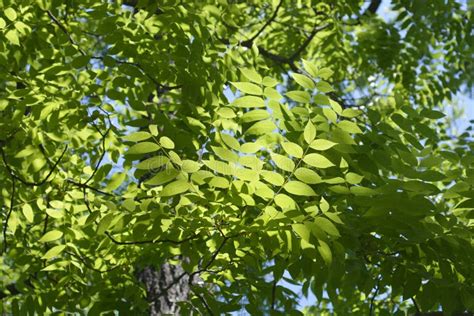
x: 165, y: 288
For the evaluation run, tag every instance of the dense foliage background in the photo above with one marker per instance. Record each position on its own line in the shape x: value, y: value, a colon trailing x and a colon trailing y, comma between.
x: 208, y: 157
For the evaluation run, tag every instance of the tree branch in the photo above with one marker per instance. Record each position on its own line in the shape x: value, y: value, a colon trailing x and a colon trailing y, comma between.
x: 65, y: 31
x: 35, y: 184
x: 7, y: 218
x: 269, y: 21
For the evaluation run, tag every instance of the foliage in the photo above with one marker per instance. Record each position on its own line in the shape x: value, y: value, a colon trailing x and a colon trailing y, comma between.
x: 263, y: 140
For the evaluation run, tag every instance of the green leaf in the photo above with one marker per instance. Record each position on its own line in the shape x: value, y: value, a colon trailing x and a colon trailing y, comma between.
x: 325, y: 73
x: 325, y: 252
x: 261, y: 128
x: 283, y: 162
x: 327, y: 226
x: 153, y: 163
x: 166, y: 142
x: 248, y: 101
x: 349, y: 127
x: 247, y: 87
x: 137, y: 136
x: 190, y: 166
x: 303, y: 81
x: 324, y: 87
x: 310, y: 68
x: 28, y: 212
x: 250, y: 148
x: 251, y: 75
x: 230, y: 141
x: 309, y: 132
x: 318, y: 161
x: 272, y: 177
x: 174, y: 188
x: 254, y: 115
x: 53, y: 252
x: 115, y: 181
x: 163, y: 177
x: 322, y: 144
x: 307, y: 176
x: 302, y: 230
x: 272, y: 94
x: 299, y: 188
x: 353, y: 178
x: 142, y: 148
x: 2, y: 23
x: 153, y: 129
x: 269, y: 82
x: 299, y: 96
x: 247, y: 174
x: 225, y: 154
x: 285, y: 202
x: 219, y: 166
x: 51, y: 236
x: 10, y: 14
x: 12, y: 36
x: 55, y: 213
x: 292, y: 149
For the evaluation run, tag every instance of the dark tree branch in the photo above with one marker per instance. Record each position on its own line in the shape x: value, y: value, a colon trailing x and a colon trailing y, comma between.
x: 203, y: 301
x: 308, y: 40
x: 373, y: 7
x: 418, y: 311
x: 65, y: 31
x: 83, y: 185
x: 269, y: 21
x: 7, y: 218
x: 274, y: 286
x: 372, y: 301
x: 35, y: 184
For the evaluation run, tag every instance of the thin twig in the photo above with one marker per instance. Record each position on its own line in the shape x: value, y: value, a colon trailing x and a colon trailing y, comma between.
x: 269, y: 21
x: 371, y: 309
x: 418, y: 311
x: 28, y: 183
x: 65, y: 31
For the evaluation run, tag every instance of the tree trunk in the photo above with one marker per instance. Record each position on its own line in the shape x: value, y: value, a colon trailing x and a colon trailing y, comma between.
x: 164, y: 288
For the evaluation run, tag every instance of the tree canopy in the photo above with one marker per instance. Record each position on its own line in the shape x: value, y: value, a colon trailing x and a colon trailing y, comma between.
x: 256, y: 144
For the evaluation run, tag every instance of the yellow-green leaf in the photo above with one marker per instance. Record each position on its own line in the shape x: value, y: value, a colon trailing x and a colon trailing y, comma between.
x: 10, y: 14
x: 322, y: 144
x: 307, y: 176
x: 349, y: 127
x: 318, y: 161
x: 163, y: 177
x: 247, y: 87
x: 292, y: 149
x: 303, y: 81
x: 248, y: 101
x: 299, y: 188
x: 28, y: 212
x: 174, y: 188
x: 51, y: 236
x: 142, y: 148
x: 299, y: 96
x: 152, y: 163
x: 251, y: 75
x: 325, y: 252
x: 327, y: 226
x: 309, y: 132
x: 53, y: 252
x: 166, y: 142
x: 283, y: 162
